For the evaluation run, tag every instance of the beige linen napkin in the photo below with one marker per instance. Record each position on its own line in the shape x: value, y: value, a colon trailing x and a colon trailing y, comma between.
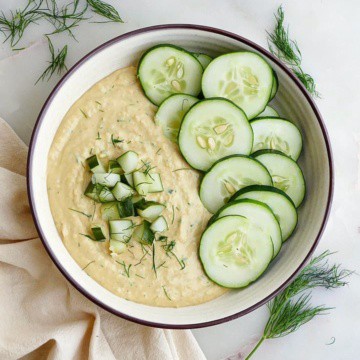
x: 41, y: 315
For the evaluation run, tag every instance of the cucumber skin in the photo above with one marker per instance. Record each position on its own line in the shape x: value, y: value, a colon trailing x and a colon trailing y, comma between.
x: 228, y: 287
x: 269, y: 98
x: 277, y: 152
x: 157, y: 46
x: 275, y: 81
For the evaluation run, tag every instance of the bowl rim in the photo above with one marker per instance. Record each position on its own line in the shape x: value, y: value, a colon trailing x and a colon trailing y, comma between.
x: 155, y: 28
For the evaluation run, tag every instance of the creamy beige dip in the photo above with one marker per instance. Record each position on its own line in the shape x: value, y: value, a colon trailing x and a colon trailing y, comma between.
x: 116, y: 107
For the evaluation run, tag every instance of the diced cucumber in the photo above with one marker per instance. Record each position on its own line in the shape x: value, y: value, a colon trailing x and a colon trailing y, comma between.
x: 259, y: 214
x: 98, y: 233
x: 167, y: 69
x: 141, y: 182
x: 204, y: 59
x: 122, y: 191
x: 117, y: 247
x: 171, y: 112
x: 105, y: 195
x: 159, y: 225
x: 285, y: 172
x: 150, y: 210
x: 242, y: 77
x: 281, y: 205
x: 106, y: 179
x: 114, y: 167
x: 126, y: 208
x: 156, y: 183
x: 127, y: 179
x: 128, y: 161
x: 235, y: 252
x: 121, y: 230
x: 93, y: 190
x: 277, y: 134
x: 144, y: 234
x: 213, y: 129
x: 268, y: 112
x: 137, y: 199
x: 110, y: 211
x: 275, y: 85
x: 95, y: 165
x: 227, y: 176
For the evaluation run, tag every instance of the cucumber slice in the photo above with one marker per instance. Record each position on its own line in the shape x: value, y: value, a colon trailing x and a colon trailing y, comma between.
x: 141, y: 182
x: 121, y: 230
x: 150, y: 210
x: 127, y: 179
x: 259, y: 214
x: 277, y: 134
x: 93, y: 190
x: 98, y: 233
x: 204, y: 59
x: 229, y: 175
x: 242, y: 77
x: 144, y: 234
x: 167, y: 69
x: 275, y: 85
x: 280, y: 204
x: 268, y: 112
x: 213, y: 129
x: 95, y: 165
x: 106, y: 195
x: 122, y: 191
x: 128, y: 161
x: 106, y: 179
x: 159, y: 225
x: 117, y: 247
x: 114, y: 167
x: 156, y: 183
x: 285, y: 172
x: 171, y: 113
x: 234, y: 252
x: 110, y: 211
x: 126, y: 208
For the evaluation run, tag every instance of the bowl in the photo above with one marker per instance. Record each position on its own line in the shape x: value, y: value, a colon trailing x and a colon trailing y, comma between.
x: 293, y: 101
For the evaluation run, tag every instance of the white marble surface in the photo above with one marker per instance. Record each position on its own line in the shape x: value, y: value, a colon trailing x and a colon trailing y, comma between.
x: 328, y: 35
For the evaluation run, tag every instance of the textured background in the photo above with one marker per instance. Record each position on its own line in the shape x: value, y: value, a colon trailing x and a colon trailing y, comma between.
x: 328, y: 34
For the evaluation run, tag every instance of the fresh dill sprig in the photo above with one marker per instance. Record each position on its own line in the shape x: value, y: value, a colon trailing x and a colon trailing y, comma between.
x: 105, y: 10
x: 14, y: 25
x: 288, y: 52
x: 63, y: 18
x: 56, y: 64
x: 292, y: 308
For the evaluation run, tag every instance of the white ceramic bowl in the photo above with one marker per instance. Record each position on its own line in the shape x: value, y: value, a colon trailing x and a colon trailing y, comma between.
x: 294, y: 103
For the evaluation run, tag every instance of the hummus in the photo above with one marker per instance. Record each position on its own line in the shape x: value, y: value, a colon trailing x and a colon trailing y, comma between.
x: 115, y: 108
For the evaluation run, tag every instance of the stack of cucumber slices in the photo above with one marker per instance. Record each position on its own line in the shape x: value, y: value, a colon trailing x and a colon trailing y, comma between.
x: 122, y: 190
x: 217, y: 111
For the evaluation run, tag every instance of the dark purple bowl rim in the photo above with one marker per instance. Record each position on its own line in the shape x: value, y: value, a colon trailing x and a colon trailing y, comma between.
x: 186, y: 27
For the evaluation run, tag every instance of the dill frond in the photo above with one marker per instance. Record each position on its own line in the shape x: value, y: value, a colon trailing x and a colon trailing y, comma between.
x: 56, y: 64
x: 105, y: 10
x: 287, y: 50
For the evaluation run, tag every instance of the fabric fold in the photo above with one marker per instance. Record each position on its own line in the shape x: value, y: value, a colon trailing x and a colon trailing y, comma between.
x: 42, y: 315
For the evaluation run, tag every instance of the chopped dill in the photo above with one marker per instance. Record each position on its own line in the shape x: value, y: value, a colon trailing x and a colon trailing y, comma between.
x: 153, y: 259
x: 139, y: 276
x: 88, y: 265
x: 98, y: 136
x: 166, y: 293
x: 126, y: 268
x: 56, y: 64
x: 173, y: 214
x: 84, y: 113
x: 162, y: 265
x: 115, y: 141
x: 181, y: 169
x: 81, y: 212
x: 158, y: 151
x: 169, y: 247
